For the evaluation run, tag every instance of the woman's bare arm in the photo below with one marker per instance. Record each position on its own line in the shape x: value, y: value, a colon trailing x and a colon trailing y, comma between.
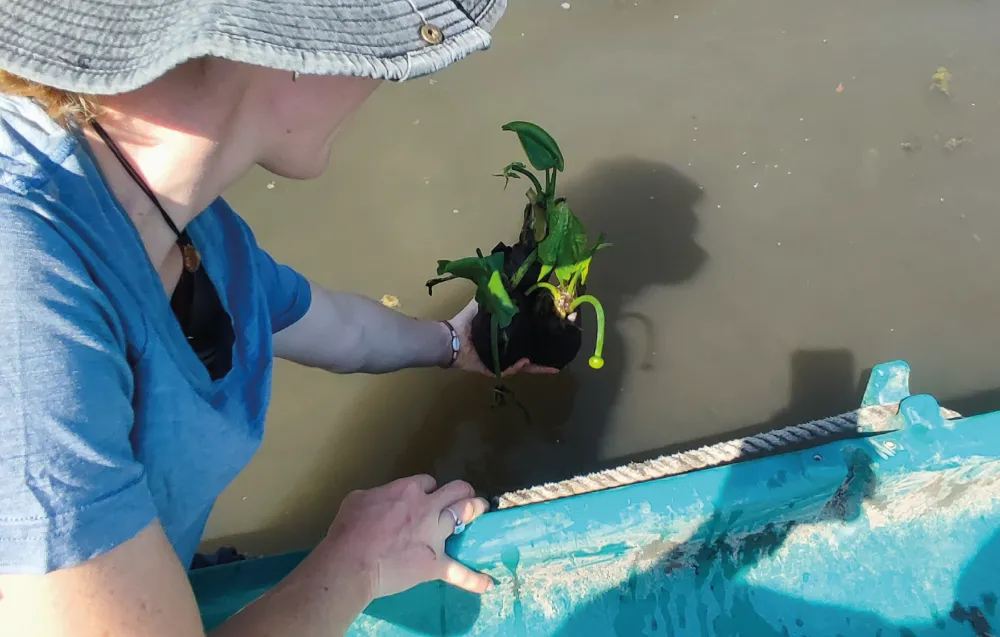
x: 344, y: 332
x: 383, y: 541
x: 140, y: 588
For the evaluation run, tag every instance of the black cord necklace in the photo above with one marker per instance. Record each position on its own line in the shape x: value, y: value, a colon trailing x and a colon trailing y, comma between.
x: 192, y: 260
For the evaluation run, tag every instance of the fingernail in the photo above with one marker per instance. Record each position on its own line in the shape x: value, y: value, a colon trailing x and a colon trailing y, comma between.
x: 490, y: 585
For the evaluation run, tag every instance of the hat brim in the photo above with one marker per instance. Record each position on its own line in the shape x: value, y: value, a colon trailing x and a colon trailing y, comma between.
x: 103, y: 47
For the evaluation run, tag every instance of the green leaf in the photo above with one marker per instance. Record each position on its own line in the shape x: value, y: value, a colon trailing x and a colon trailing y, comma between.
x: 539, y: 146
x: 565, y: 274
x: 470, y: 268
x: 485, y: 272
x: 566, y: 242
x: 492, y: 293
x: 585, y: 264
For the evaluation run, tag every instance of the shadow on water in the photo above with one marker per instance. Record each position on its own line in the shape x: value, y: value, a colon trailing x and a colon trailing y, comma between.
x: 647, y: 210
x: 823, y: 384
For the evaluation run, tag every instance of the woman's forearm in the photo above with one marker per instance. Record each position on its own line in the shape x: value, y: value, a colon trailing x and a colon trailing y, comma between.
x: 344, y: 332
x: 309, y: 601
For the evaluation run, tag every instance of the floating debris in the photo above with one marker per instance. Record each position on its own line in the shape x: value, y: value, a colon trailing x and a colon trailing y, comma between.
x: 910, y: 146
x: 840, y: 88
x: 416, y: 122
x: 941, y: 81
x: 270, y: 185
x: 565, y: 5
x: 955, y: 142
x: 433, y: 81
x: 676, y: 17
x: 389, y: 300
x: 455, y: 211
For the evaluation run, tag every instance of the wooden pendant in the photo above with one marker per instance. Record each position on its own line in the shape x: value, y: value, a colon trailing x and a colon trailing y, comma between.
x: 192, y: 260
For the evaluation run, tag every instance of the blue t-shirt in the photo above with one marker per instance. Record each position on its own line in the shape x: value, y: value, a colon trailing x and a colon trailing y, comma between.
x: 108, y: 419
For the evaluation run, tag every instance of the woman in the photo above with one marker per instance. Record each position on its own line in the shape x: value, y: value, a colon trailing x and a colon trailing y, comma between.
x: 139, y: 319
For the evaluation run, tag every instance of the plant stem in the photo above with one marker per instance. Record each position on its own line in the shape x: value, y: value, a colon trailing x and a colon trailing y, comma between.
x: 530, y: 175
x: 596, y: 361
x: 547, y: 286
x: 548, y: 183
x: 495, y: 342
x: 552, y: 185
x: 525, y: 266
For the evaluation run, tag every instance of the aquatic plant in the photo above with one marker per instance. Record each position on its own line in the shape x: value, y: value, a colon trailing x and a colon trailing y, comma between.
x: 523, y: 313
x: 561, y: 236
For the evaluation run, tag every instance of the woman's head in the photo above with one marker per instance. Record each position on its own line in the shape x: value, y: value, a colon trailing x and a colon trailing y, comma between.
x: 283, y: 79
x: 286, y: 122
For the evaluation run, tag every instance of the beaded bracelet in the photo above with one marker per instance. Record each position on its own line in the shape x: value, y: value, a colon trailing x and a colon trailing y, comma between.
x: 456, y: 344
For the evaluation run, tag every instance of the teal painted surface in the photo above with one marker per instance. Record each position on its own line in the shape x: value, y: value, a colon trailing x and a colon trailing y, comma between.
x: 892, y: 534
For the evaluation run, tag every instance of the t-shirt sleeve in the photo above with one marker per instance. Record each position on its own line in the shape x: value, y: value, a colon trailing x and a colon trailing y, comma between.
x: 70, y: 485
x: 287, y: 291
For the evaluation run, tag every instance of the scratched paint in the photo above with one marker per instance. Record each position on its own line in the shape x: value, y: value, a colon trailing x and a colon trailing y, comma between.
x: 894, y: 534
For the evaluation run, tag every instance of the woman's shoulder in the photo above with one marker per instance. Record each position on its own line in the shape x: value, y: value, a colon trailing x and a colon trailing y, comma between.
x: 32, y: 145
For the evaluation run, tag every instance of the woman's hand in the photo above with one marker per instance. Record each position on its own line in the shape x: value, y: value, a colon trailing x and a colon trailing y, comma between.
x: 395, y: 535
x: 469, y: 360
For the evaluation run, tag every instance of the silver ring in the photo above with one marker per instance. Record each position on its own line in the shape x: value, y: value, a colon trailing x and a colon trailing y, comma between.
x: 459, y: 525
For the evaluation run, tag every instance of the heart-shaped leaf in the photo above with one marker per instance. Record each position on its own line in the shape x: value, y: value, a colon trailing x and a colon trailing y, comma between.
x: 542, y: 150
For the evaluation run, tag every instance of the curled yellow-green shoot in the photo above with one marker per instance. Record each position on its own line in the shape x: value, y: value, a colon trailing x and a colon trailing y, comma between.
x: 596, y: 361
x: 546, y: 286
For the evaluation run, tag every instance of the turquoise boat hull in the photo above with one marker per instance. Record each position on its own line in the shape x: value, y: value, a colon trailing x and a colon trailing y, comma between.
x: 894, y: 531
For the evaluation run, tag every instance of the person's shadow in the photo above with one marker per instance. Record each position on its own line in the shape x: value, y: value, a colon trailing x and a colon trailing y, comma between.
x: 647, y: 211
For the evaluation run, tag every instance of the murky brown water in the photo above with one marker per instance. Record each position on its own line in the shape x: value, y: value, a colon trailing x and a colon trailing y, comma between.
x: 817, y: 247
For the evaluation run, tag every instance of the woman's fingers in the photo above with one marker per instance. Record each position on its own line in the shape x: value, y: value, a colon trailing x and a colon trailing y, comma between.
x: 464, y: 577
x: 516, y: 367
x: 465, y: 511
x: 424, y: 482
x: 531, y: 368
x: 526, y: 366
x: 452, y: 493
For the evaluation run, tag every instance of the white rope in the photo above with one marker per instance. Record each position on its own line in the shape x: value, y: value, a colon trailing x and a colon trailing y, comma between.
x: 776, y: 441
x: 406, y: 73
x: 413, y: 5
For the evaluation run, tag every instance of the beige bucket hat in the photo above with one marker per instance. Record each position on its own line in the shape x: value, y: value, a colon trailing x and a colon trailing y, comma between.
x: 103, y: 47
